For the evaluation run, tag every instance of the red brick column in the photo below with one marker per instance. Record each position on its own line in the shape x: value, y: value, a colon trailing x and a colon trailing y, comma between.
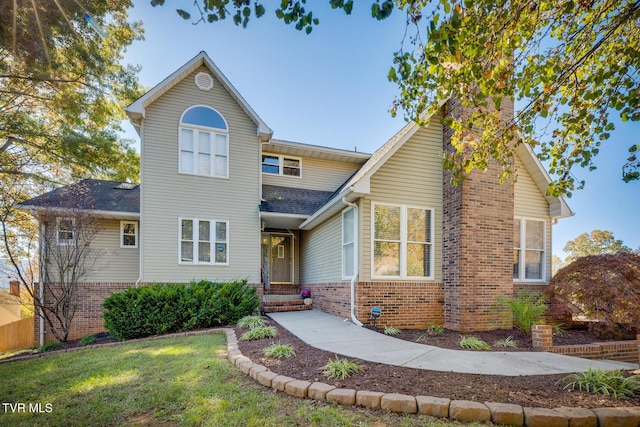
x: 542, y: 337
x: 638, y: 341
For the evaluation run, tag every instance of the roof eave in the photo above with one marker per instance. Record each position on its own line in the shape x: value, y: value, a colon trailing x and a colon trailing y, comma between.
x: 39, y: 210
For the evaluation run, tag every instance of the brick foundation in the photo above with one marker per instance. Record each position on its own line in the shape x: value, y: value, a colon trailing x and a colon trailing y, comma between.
x: 334, y: 298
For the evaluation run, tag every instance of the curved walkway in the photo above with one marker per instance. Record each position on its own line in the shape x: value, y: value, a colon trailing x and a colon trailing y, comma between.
x: 330, y: 333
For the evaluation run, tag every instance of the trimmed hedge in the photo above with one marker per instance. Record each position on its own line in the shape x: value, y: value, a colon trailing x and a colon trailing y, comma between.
x: 167, y: 308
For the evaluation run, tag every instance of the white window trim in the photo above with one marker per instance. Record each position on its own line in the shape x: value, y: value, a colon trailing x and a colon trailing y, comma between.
x: 66, y: 242
x: 354, y: 242
x: 213, y: 239
x: 213, y: 131
x: 521, y: 260
x: 122, y: 225
x: 403, y: 242
x: 281, y: 158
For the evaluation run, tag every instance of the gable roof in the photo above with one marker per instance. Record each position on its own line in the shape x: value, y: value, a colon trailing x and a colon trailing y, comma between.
x: 359, y: 184
x: 106, y: 198
x: 136, y: 111
x: 289, y: 200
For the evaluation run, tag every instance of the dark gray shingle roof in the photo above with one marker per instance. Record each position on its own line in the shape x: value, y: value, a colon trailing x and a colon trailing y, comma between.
x: 90, y: 194
x: 293, y: 200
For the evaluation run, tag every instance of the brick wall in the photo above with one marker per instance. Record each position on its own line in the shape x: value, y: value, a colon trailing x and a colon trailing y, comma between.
x: 334, y: 298
x: 477, y: 244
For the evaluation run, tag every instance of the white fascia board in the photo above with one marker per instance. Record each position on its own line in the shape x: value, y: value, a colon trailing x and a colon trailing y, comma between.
x: 68, y: 211
x: 136, y: 110
x: 282, y: 215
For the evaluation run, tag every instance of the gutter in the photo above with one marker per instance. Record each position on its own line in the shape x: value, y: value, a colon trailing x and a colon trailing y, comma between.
x: 355, y: 261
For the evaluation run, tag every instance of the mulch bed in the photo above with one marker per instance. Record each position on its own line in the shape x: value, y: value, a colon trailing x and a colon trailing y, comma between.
x: 532, y: 391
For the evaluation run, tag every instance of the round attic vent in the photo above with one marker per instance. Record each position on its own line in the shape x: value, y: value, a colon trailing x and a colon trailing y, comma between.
x: 204, y: 81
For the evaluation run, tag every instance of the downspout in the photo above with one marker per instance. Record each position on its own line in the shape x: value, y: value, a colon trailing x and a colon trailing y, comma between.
x: 43, y: 268
x: 356, y: 260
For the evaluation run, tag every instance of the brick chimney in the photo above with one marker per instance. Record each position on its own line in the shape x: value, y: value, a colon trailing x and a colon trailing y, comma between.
x: 477, y: 242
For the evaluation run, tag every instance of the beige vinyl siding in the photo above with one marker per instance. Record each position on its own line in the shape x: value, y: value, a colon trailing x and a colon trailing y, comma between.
x: 317, y: 174
x: 412, y: 176
x: 113, y: 263
x: 530, y: 202
x: 167, y: 195
x: 321, y: 252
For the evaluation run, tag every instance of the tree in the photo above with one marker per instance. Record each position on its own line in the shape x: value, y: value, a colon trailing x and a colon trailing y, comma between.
x: 556, y: 264
x: 571, y: 62
x: 597, y: 242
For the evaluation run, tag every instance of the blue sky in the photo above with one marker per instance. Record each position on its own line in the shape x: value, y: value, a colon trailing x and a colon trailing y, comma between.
x: 330, y: 88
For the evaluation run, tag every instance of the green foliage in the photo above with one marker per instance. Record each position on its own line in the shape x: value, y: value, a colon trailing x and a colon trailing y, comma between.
x: 50, y: 346
x: 473, y: 343
x: 434, y: 329
x: 88, y: 340
x: 566, y: 62
x: 279, y: 351
x: 340, y: 369
x: 390, y: 330
x: 597, y: 242
x: 259, y: 332
x: 250, y: 322
x: 159, y: 309
x: 603, y: 288
x: 558, y: 329
x: 507, y: 342
x: 610, y: 383
x: 526, y: 309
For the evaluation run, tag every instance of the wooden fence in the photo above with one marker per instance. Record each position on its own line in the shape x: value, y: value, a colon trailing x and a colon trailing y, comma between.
x: 17, y: 335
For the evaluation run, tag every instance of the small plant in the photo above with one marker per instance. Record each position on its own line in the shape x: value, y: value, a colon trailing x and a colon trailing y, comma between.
x: 305, y: 293
x: 259, y: 333
x: 473, y: 343
x: 527, y: 309
x: 279, y: 351
x: 558, y: 329
x: 434, y: 329
x: 390, y: 330
x: 507, y: 342
x: 250, y: 322
x: 88, y: 339
x: 610, y: 383
x: 340, y: 369
x: 50, y: 346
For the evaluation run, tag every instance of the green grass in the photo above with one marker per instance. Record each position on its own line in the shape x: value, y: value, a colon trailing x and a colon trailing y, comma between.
x: 611, y: 383
x: 259, y: 332
x: 473, y: 343
x: 340, y: 369
x: 390, y: 330
x: 178, y: 381
x: 279, y: 351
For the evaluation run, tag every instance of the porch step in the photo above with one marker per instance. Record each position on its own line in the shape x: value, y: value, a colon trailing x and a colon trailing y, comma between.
x: 280, y: 303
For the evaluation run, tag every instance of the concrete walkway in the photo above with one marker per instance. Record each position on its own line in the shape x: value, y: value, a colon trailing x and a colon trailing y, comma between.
x: 330, y: 333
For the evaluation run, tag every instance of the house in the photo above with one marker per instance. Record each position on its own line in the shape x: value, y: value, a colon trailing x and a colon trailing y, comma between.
x: 221, y: 199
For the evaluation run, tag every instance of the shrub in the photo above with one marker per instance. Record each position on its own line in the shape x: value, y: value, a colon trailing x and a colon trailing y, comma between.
x: 507, y: 342
x: 473, y: 343
x: 610, y: 383
x: 526, y: 309
x: 250, y: 322
x: 165, y: 308
x: 88, y: 339
x: 340, y: 369
x: 50, y: 346
x: 279, y: 351
x: 603, y: 288
x: 434, y: 329
x: 259, y: 333
x: 390, y: 330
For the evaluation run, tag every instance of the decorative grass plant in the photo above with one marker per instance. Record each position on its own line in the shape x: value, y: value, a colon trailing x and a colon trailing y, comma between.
x: 259, y: 333
x: 279, y: 351
x: 473, y: 343
x: 340, y: 369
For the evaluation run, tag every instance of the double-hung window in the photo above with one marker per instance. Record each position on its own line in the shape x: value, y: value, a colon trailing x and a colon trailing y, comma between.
x: 402, y: 241
x: 128, y: 234
x: 204, y: 241
x: 65, y: 231
x: 529, y: 250
x: 204, y: 143
x: 348, y: 243
x: 276, y: 164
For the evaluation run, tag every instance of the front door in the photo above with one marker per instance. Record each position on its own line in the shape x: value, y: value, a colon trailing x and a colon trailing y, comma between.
x: 276, y: 258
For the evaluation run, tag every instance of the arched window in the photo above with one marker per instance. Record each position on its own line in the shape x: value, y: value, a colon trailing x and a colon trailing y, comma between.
x: 204, y: 143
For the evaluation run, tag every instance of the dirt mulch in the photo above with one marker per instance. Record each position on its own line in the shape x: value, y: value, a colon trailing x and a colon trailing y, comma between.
x: 544, y: 391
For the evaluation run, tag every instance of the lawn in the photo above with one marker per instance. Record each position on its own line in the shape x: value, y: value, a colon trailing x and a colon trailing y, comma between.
x: 174, y: 381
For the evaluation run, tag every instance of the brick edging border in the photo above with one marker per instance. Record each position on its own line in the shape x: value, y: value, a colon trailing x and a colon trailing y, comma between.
x: 460, y: 410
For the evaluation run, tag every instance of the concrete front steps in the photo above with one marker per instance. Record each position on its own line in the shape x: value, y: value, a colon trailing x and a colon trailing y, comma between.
x: 279, y: 303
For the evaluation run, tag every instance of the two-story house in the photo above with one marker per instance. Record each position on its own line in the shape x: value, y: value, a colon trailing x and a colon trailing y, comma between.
x: 221, y: 199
